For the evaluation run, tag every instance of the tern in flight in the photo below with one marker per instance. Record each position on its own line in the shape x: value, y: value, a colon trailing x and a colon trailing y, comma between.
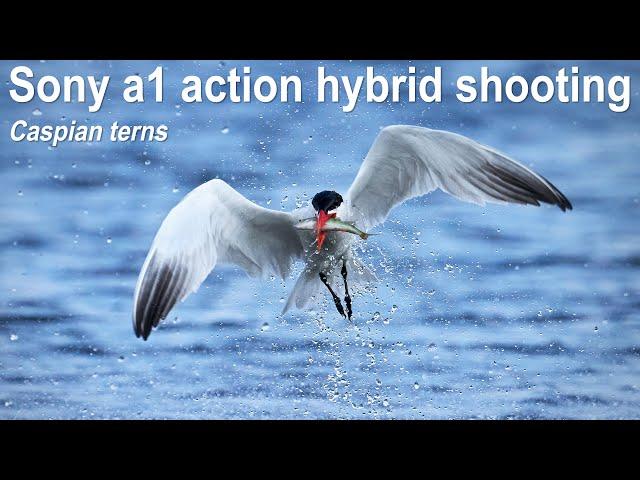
x: 215, y: 224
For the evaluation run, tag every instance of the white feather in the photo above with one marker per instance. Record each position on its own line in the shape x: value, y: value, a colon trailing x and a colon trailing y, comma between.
x: 212, y: 224
x: 408, y: 161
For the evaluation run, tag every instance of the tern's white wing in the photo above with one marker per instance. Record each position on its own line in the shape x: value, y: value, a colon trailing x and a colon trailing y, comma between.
x: 408, y: 161
x: 212, y: 224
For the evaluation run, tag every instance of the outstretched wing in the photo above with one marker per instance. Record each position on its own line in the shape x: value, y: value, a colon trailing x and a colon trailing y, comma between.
x: 212, y: 224
x: 408, y: 161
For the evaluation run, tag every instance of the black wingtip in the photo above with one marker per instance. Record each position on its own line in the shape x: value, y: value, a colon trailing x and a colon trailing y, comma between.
x: 137, y: 330
x: 160, y: 290
x: 527, y: 188
x: 143, y: 328
x: 561, y: 200
x: 567, y: 205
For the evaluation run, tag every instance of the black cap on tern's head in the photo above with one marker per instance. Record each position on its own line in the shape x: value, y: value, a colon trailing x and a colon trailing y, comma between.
x: 326, y: 200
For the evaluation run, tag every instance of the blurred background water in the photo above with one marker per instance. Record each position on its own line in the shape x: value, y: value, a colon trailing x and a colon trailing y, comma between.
x: 495, y: 312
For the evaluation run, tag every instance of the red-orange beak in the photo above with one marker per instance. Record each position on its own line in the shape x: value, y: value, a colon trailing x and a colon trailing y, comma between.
x: 323, y: 217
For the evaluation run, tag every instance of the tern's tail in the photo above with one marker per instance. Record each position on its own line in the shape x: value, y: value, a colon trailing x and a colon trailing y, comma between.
x: 308, y: 287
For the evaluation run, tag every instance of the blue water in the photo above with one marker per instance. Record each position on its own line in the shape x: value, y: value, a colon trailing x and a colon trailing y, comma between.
x: 495, y: 312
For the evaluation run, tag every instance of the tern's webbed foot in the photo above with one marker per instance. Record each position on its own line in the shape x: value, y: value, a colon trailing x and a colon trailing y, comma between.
x: 347, y: 297
x: 347, y: 300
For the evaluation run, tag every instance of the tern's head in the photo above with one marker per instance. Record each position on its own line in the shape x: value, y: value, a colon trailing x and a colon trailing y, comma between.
x: 326, y: 200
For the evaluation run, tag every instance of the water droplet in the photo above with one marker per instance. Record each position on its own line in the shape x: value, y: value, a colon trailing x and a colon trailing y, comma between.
x: 264, y: 327
x: 376, y: 316
x: 20, y: 193
x: 36, y: 112
x: 147, y: 162
x: 595, y: 329
x: 386, y: 321
x: 385, y: 403
x: 394, y: 308
x: 175, y: 190
x: 121, y: 358
x: 13, y: 337
x: 224, y: 130
x: 432, y: 347
x: 109, y: 240
x: 416, y: 386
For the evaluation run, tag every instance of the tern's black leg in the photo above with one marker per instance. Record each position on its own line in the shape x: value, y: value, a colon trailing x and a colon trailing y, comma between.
x: 347, y: 297
x: 336, y: 299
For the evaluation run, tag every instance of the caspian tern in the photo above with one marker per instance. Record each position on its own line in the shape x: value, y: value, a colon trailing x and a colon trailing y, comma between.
x: 215, y: 224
